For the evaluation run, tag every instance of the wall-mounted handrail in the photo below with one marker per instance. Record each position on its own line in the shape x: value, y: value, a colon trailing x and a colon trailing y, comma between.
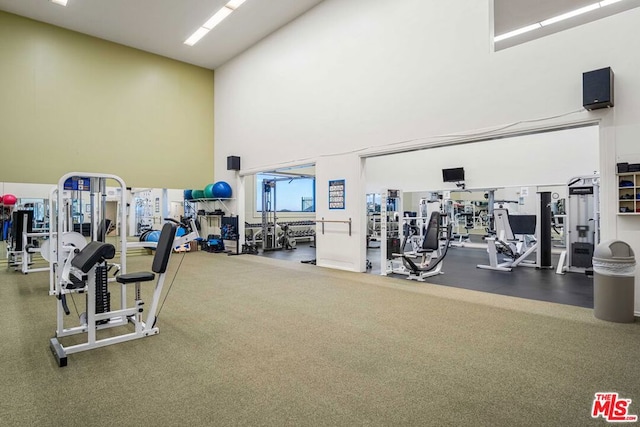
x: 322, y: 221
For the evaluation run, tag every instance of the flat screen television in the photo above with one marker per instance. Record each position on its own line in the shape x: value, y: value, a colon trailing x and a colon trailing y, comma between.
x: 453, y: 175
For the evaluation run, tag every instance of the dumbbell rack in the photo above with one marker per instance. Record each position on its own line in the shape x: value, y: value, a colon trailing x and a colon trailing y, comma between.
x: 299, y: 229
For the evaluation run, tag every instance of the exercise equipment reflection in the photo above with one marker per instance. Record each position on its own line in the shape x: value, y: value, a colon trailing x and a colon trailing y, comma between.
x: 24, y: 242
x: 515, y: 249
x: 432, y: 251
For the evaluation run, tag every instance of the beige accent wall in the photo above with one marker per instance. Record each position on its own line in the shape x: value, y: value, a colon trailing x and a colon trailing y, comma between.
x: 70, y: 102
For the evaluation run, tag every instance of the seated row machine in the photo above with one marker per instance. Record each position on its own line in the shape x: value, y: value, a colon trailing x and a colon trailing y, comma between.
x: 89, y: 270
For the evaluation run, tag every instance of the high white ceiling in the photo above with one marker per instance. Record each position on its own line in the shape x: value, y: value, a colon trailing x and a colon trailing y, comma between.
x: 161, y: 26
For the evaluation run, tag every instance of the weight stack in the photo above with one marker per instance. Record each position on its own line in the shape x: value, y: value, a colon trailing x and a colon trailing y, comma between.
x: 581, y: 254
x: 544, y: 248
x: 393, y: 246
x: 103, y: 297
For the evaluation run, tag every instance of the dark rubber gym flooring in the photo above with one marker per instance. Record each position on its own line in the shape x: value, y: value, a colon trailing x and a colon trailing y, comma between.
x: 460, y: 271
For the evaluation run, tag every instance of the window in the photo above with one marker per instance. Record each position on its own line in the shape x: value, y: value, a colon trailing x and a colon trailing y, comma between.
x: 292, y: 194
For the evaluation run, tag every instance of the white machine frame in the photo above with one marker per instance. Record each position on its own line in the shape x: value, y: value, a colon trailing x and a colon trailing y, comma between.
x: 506, y: 236
x: 432, y: 256
x: 62, y: 249
x: 64, y: 285
x: 426, y: 260
x: 388, y: 223
x: 395, y: 265
x: 565, y: 263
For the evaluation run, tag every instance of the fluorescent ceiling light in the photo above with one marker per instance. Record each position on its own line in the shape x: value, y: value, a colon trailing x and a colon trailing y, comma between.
x: 553, y: 20
x: 60, y: 2
x: 234, y: 4
x: 570, y: 14
x: 217, y: 18
x: 195, y: 37
x: 517, y: 32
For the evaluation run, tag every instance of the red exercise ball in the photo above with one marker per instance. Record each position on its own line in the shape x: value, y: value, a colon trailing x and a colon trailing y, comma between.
x: 9, y: 199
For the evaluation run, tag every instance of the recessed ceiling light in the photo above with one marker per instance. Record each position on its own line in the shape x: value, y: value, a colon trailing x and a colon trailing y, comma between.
x: 195, y: 37
x: 571, y: 14
x: 555, y: 19
x: 60, y: 2
x: 217, y: 18
x: 517, y: 32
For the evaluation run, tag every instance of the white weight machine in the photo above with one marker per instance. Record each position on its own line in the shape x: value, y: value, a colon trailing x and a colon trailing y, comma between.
x: 581, y: 224
x: 428, y: 234
x: 67, y: 212
x: 516, y: 250
x: 81, y: 269
x: 518, y: 237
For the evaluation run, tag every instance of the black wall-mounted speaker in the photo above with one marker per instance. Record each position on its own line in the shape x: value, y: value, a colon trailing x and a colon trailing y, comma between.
x: 597, y: 89
x: 233, y: 163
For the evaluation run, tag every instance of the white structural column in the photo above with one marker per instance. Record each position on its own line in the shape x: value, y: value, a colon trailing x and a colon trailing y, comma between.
x: 336, y: 247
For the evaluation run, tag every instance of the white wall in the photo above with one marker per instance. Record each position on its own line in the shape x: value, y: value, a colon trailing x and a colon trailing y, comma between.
x: 542, y: 159
x: 22, y: 190
x: 359, y: 74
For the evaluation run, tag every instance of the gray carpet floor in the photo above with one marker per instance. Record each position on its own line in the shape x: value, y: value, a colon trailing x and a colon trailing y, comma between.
x: 248, y: 340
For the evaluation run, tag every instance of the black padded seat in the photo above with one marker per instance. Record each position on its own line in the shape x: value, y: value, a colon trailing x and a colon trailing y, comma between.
x: 424, y: 251
x: 141, y: 276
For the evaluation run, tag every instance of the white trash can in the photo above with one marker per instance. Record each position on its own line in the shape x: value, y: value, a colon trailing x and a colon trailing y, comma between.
x: 614, y: 266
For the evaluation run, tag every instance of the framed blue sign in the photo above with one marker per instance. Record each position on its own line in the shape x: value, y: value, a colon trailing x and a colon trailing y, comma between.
x: 336, y: 193
x: 78, y: 183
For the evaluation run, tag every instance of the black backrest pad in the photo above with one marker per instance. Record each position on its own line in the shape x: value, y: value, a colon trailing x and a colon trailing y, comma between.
x: 163, y: 250
x: 523, y: 224
x: 17, y: 227
x: 92, y: 254
x: 432, y: 237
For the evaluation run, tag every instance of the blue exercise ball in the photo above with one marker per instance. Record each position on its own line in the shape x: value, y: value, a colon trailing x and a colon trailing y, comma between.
x: 188, y: 194
x: 221, y: 190
x: 154, y: 236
